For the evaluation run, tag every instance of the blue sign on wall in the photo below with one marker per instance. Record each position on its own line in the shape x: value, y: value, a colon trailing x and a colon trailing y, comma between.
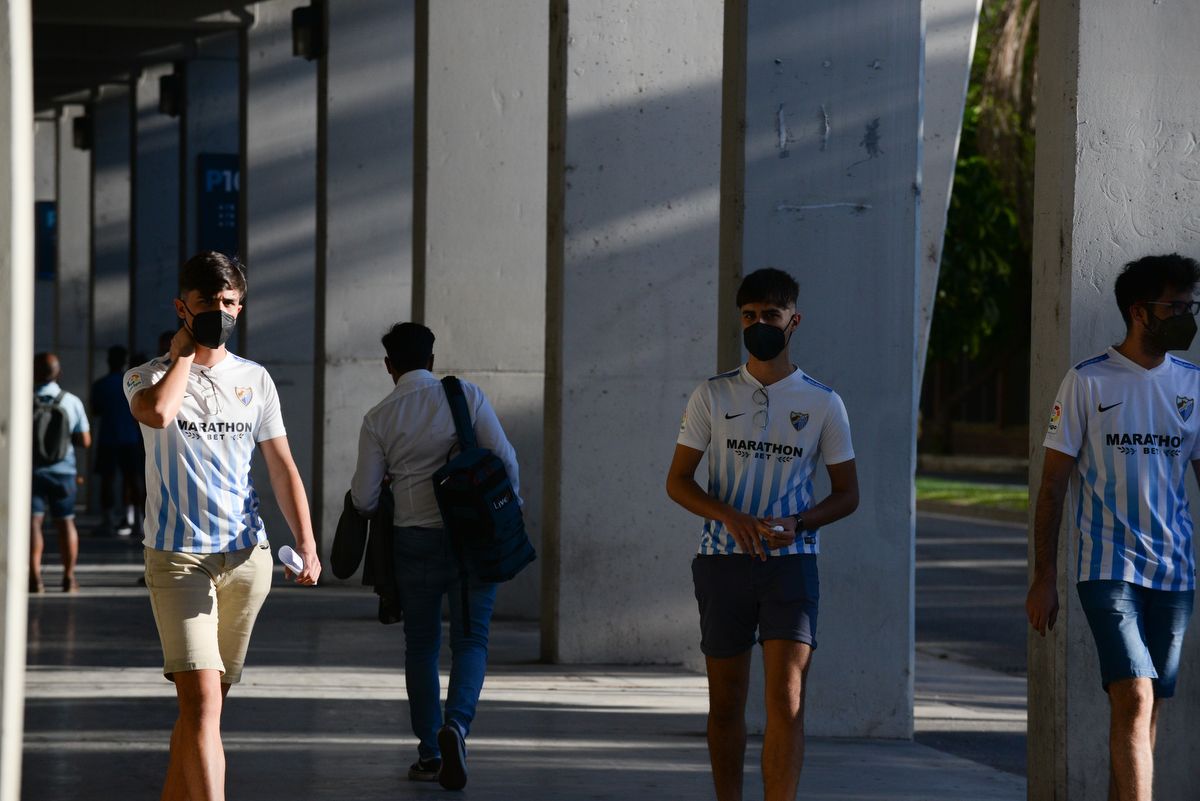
x: 217, y: 186
x: 45, y: 240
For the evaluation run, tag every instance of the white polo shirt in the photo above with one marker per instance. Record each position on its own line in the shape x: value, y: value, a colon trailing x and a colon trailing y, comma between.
x: 199, y: 494
x: 764, y: 471
x: 1135, y: 433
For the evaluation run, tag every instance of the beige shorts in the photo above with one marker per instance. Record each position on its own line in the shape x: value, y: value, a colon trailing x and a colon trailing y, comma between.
x: 205, y: 605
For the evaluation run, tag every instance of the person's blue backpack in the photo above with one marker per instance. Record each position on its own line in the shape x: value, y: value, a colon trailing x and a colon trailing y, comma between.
x: 480, y: 510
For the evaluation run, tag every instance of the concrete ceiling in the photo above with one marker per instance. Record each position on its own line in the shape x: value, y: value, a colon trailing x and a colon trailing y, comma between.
x: 81, y: 45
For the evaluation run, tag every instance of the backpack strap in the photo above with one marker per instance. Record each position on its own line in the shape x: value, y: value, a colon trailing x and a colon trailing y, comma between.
x: 462, y: 415
x: 466, y: 441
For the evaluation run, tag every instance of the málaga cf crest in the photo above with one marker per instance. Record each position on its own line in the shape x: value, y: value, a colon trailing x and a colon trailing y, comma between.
x: 800, y: 420
x: 1185, y: 406
x: 244, y: 394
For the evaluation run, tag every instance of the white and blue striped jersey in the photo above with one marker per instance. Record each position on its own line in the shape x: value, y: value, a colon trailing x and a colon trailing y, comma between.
x: 199, y: 494
x: 761, y: 457
x: 1134, y: 432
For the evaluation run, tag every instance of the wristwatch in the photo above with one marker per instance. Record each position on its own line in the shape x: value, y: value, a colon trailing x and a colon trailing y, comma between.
x: 799, y: 520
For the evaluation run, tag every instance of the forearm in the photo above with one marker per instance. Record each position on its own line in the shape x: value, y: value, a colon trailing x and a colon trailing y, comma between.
x: 1046, y: 523
x: 293, y: 502
x: 832, y: 508
x: 688, y: 494
x: 157, y: 406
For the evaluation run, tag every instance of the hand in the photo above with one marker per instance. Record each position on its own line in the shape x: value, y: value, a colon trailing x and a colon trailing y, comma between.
x: 1041, y: 604
x: 748, y: 532
x: 312, y: 564
x: 780, y: 539
x: 183, y: 344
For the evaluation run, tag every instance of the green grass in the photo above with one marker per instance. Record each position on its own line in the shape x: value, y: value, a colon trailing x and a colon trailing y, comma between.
x: 978, y: 496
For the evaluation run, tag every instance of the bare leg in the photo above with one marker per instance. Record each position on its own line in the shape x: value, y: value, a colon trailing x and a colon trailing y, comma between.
x: 36, y: 546
x: 786, y: 666
x: 197, y: 768
x: 1130, y: 739
x: 175, y: 788
x: 728, y: 684
x: 68, y: 547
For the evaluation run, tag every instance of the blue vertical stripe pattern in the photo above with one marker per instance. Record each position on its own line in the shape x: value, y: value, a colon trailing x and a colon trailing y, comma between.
x: 1134, y: 433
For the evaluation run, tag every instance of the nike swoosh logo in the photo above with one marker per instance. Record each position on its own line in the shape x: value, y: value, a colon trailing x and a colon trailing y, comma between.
x: 1100, y: 407
x: 729, y: 416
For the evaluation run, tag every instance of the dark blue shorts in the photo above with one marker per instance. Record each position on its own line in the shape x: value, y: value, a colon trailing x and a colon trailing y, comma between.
x: 744, y: 600
x: 54, y: 493
x: 1138, y: 631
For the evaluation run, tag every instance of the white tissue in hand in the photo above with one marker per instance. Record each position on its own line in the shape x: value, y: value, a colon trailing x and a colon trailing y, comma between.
x: 291, y: 559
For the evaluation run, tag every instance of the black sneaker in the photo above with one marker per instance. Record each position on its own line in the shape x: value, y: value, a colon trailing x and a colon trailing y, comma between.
x: 453, y: 775
x: 424, y: 770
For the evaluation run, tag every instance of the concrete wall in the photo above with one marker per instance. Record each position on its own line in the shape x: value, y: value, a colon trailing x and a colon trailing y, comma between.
x: 485, y: 254
x: 950, y: 30
x: 832, y: 176
x: 111, y: 215
x: 45, y: 175
x: 366, y: 280
x: 16, y: 379
x: 155, y: 217
x: 631, y: 319
x: 279, y: 214
x: 72, y: 328
x: 1116, y: 162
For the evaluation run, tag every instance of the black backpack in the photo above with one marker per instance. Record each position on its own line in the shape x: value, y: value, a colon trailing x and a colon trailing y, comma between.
x: 478, y: 505
x: 51, y: 431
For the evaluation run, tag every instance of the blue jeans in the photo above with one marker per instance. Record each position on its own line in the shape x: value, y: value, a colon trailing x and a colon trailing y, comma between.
x: 426, y: 569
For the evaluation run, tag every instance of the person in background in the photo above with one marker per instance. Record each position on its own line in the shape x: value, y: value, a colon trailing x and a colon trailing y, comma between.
x: 60, y: 426
x: 118, y: 451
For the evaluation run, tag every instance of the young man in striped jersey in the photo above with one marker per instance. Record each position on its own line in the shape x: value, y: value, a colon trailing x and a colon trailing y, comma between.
x: 1125, y: 422
x: 208, y: 563
x: 763, y: 427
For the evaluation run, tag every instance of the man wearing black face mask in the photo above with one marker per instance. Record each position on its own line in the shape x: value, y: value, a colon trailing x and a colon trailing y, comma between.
x: 1125, y: 420
x: 203, y: 412
x: 764, y: 427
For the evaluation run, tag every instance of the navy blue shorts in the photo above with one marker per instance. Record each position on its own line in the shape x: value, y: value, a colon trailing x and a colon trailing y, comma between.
x: 744, y: 600
x: 1138, y: 631
x: 55, y: 493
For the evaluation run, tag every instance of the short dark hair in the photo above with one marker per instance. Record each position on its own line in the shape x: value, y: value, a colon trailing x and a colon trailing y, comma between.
x: 117, y: 354
x: 409, y: 346
x: 1147, y: 278
x: 210, y: 273
x: 768, y: 285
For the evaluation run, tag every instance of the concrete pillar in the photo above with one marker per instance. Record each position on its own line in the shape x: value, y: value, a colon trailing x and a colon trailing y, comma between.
x: 73, y: 326
x: 16, y: 374
x: 631, y: 329
x: 485, y: 247
x: 365, y: 271
x: 156, y: 194
x: 209, y: 124
x: 832, y: 188
x: 111, y: 218
x: 45, y: 174
x: 1115, y: 181
x: 950, y: 30
x: 279, y: 218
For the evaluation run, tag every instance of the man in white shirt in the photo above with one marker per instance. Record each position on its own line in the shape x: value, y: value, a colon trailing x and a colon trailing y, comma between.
x: 763, y: 427
x: 1124, y: 422
x: 202, y: 411
x: 407, y: 437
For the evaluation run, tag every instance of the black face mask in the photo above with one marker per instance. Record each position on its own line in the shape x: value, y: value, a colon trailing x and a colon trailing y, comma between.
x: 1173, y: 333
x: 212, y: 329
x: 764, y: 341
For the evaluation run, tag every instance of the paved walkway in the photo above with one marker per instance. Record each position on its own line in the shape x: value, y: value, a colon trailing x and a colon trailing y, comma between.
x: 322, y: 715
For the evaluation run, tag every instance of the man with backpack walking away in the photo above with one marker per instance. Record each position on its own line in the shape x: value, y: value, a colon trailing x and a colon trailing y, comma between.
x: 59, y: 425
x: 409, y: 436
